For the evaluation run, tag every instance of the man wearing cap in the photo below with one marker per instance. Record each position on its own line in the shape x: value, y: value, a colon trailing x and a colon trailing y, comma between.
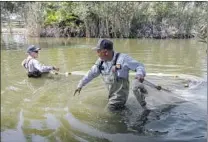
x: 33, y: 66
x: 114, y: 68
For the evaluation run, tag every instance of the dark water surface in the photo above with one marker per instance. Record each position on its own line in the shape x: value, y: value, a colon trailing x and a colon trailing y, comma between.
x: 44, y: 110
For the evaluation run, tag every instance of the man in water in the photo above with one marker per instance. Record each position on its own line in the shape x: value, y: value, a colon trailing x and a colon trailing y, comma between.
x: 33, y: 66
x: 114, y: 68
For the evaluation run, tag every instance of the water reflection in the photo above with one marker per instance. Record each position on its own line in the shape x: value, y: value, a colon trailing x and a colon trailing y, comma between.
x: 13, y: 42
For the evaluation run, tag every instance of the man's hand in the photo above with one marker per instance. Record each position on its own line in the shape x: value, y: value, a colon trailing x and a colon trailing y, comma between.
x: 138, y: 83
x: 77, y: 91
x: 140, y: 78
x: 55, y: 68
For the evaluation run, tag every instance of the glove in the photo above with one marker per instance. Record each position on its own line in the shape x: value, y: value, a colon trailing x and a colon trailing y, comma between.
x: 77, y: 91
x: 138, y: 85
x: 140, y: 78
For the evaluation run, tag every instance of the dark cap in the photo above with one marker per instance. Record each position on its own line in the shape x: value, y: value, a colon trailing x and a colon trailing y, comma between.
x: 104, y: 44
x: 32, y: 48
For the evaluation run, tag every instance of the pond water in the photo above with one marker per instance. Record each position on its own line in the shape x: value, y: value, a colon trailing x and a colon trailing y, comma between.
x: 45, y: 109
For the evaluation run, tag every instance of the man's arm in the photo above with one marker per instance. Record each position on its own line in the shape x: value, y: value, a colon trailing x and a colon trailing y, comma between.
x: 23, y: 63
x: 92, y: 73
x: 135, y: 66
x: 42, y: 68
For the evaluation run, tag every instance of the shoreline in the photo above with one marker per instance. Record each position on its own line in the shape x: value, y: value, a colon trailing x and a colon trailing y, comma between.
x: 56, y: 33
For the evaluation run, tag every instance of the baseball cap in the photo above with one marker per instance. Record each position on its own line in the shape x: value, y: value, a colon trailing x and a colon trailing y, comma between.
x: 32, y: 48
x: 104, y: 44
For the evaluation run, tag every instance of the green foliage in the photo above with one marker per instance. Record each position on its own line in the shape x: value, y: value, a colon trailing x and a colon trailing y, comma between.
x: 116, y: 19
x: 162, y: 9
x: 59, y: 12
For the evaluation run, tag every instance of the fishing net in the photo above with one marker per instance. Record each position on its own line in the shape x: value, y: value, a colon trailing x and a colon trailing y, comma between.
x: 176, y: 83
x: 174, y: 86
x: 156, y: 98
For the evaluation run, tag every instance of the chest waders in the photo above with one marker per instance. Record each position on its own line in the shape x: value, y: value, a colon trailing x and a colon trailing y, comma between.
x: 118, y: 88
x: 34, y: 74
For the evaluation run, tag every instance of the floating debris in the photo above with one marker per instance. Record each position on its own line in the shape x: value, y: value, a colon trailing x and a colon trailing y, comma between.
x: 186, y: 85
x: 27, y: 100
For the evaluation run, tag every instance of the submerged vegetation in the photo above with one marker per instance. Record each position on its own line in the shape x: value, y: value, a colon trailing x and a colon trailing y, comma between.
x: 108, y: 19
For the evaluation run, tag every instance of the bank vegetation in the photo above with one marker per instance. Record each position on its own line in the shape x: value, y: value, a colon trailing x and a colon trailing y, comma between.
x: 108, y: 19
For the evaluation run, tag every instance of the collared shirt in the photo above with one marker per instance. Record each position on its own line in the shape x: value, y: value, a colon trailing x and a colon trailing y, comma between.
x: 125, y: 62
x: 32, y: 65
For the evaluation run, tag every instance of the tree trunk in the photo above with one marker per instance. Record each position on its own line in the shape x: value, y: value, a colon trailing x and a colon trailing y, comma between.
x: 87, y: 29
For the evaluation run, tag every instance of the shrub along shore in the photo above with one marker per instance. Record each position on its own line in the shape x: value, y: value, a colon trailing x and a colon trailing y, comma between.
x: 157, y: 20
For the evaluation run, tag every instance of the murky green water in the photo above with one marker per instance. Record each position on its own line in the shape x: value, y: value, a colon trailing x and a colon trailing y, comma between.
x: 45, y: 109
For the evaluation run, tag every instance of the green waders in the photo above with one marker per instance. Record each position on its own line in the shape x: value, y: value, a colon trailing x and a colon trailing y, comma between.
x: 119, y: 88
x: 119, y: 91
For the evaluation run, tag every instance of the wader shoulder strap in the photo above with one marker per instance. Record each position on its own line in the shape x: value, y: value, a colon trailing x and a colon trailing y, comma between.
x: 114, y: 63
x: 100, y: 66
